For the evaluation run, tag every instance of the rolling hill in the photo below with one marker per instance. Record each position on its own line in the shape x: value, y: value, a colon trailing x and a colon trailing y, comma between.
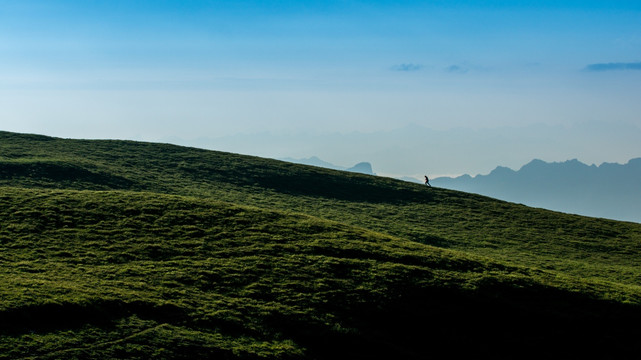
x: 121, y: 249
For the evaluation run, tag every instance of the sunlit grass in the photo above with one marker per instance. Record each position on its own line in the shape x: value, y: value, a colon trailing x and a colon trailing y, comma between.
x: 208, y: 254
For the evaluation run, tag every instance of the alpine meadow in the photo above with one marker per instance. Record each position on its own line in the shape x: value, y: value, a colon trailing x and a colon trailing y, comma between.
x: 117, y: 249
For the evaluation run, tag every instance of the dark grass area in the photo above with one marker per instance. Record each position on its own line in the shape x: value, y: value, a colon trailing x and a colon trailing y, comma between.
x: 125, y: 275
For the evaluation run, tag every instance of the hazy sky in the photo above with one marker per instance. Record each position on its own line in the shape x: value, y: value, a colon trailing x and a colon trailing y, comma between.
x: 158, y: 69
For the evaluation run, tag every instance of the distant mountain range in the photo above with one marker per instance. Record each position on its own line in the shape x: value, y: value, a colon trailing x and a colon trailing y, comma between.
x: 609, y: 190
x: 416, y: 150
x: 362, y: 167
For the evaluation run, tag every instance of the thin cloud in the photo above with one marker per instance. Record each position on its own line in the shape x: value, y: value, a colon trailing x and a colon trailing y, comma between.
x: 613, y: 66
x: 407, y: 67
x: 456, y: 69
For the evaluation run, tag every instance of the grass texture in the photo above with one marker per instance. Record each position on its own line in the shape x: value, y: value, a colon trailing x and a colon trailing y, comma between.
x: 120, y: 249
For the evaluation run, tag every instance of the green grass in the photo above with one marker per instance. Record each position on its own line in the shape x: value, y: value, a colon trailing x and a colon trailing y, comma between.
x: 118, y: 249
x: 121, y: 274
x: 574, y: 245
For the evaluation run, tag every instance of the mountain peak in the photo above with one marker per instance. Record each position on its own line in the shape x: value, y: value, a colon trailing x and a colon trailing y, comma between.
x: 635, y: 162
x: 363, y: 168
x: 502, y: 170
x: 534, y: 164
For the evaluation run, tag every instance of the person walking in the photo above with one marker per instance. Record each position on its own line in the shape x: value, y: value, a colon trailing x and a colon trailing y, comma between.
x: 427, y: 181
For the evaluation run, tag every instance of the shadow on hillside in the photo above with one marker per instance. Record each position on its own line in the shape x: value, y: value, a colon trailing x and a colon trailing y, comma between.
x: 495, y: 323
x: 57, y: 174
x: 47, y: 317
x: 345, y: 187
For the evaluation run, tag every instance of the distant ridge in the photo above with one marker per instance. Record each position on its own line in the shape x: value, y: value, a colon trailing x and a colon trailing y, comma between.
x: 610, y: 190
x: 314, y: 161
x: 362, y: 167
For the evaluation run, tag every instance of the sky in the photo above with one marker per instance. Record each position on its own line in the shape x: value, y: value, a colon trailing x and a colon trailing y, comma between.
x: 256, y: 77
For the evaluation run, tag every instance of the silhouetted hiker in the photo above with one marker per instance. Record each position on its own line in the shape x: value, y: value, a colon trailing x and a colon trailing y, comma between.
x: 427, y: 181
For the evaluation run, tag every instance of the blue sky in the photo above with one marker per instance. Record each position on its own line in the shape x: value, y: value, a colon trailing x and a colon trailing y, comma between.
x: 154, y: 70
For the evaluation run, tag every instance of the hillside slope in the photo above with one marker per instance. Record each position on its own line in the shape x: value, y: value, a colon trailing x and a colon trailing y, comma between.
x: 578, y: 246
x: 111, y: 274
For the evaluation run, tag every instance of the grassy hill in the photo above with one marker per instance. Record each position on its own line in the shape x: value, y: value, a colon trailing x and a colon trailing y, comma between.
x: 120, y: 249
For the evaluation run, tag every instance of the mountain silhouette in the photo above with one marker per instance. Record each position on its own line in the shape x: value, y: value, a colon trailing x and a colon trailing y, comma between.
x: 362, y: 167
x: 610, y: 190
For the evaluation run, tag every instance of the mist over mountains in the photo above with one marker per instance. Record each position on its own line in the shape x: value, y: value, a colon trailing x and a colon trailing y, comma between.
x: 414, y: 150
x: 610, y: 190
